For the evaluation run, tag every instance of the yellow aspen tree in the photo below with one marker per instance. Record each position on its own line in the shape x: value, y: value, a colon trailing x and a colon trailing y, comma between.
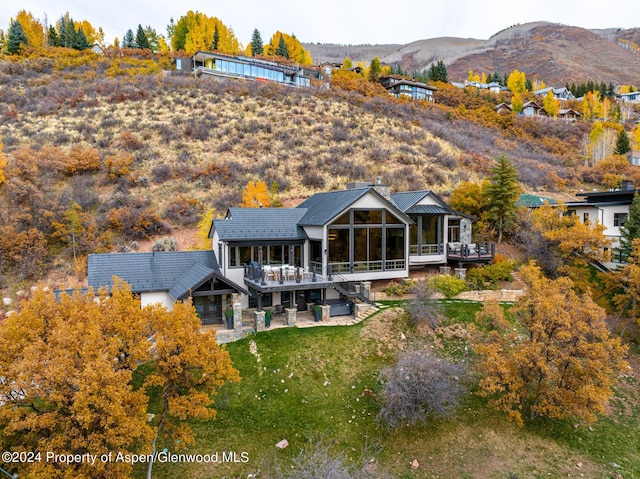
x: 517, y: 104
x: 256, y: 195
x: 32, y: 27
x: 472, y: 77
x: 202, y: 234
x: 516, y: 82
x: 550, y: 105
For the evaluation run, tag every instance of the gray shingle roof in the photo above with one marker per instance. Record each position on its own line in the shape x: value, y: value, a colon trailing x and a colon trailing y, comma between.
x: 407, y: 203
x: 406, y: 200
x: 428, y: 210
x: 190, y: 279
x: 261, y: 223
x: 323, y: 207
x: 147, y: 272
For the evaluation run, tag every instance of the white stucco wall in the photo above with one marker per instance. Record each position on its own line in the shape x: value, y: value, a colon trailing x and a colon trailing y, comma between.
x: 159, y: 297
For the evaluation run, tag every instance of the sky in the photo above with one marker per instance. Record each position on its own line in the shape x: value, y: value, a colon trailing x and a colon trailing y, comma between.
x: 349, y: 22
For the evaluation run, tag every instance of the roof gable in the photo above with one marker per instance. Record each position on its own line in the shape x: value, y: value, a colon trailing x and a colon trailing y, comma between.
x: 321, y: 208
x: 414, y: 202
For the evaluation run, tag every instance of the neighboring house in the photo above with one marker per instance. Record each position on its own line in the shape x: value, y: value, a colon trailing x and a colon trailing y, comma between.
x: 167, y: 277
x: 568, y: 114
x: 493, y: 87
x: 609, y: 208
x: 503, y: 108
x: 633, y: 157
x: 527, y: 200
x: 401, y: 87
x: 632, y: 97
x: 240, y: 67
x: 531, y: 108
x: 561, y: 94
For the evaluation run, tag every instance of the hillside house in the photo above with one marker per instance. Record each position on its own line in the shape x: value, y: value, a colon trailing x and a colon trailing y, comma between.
x: 401, y: 87
x: 631, y: 97
x: 569, y: 114
x: 529, y: 109
x: 609, y: 208
x: 562, y: 94
x: 326, y: 251
x: 493, y: 87
x: 222, y: 66
x: 633, y: 157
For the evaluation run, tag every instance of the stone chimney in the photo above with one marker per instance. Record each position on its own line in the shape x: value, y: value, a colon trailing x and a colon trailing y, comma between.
x: 384, y: 190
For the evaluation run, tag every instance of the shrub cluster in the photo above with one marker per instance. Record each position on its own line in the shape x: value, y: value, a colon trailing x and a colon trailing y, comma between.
x: 449, y: 286
x: 490, y: 276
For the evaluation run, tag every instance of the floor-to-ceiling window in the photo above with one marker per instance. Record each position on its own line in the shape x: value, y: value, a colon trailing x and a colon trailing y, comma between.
x: 366, y: 240
x: 425, y: 235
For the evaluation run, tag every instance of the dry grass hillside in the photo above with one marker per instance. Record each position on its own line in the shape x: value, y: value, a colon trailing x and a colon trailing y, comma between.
x: 144, y: 154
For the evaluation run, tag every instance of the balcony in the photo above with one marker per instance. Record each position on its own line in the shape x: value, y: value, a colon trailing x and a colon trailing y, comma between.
x: 471, y: 253
x: 269, y: 278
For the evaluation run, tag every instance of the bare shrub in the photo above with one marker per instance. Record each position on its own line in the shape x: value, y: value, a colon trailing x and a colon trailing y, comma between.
x: 183, y: 210
x: 423, y: 308
x: 166, y: 243
x: 318, y: 461
x: 161, y: 173
x: 419, y: 386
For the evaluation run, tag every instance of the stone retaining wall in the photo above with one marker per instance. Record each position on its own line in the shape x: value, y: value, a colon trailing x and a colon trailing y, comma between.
x: 506, y: 295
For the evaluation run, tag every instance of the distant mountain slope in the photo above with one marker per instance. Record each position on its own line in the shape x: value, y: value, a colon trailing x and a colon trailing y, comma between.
x: 552, y: 52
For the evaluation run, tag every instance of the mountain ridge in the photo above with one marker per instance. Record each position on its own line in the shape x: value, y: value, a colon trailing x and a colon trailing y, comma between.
x: 552, y: 52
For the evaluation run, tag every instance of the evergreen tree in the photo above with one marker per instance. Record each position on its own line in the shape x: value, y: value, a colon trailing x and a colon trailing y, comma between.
x: 622, y: 143
x: 129, y: 41
x: 53, y: 38
x: 528, y: 85
x: 438, y: 72
x: 502, y: 193
x: 630, y: 230
x: 374, y: 70
x: 15, y: 37
x: 216, y: 38
x: 282, y: 50
x: 141, y: 39
x: 80, y: 41
x: 257, y: 46
x: 497, y: 78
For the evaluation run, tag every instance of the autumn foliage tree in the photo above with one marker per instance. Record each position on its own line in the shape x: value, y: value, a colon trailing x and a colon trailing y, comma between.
x: 282, y: 42
x: 195, y: 31
x: 561, y: 364
x: 189, y: 368
x: 68, y: 370
x: 256, y: 195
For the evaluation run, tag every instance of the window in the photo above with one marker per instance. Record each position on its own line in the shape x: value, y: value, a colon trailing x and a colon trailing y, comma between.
x: 454, y: 231
x: 619, y: 219
x: 366, y: 240
x: 585, y: 217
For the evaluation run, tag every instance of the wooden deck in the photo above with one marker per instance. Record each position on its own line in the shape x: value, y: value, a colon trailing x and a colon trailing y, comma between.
x: 471, y: 253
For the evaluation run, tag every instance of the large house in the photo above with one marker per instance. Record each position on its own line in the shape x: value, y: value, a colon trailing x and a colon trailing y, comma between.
x: 325, y: 251
x: 609, y: 208
x: 222, y: 66
x: 401, y: 87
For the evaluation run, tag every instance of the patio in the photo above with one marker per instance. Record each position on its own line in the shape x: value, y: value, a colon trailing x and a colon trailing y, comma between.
x: 304, y: 319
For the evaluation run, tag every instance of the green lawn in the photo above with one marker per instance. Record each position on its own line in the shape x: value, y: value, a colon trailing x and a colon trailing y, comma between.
x: 302, y: 384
